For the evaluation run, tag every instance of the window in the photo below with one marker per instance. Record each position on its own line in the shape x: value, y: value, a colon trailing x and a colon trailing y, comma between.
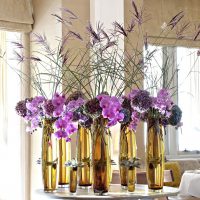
x: 189, y: 98
x: 10, y: 142
x: 182, y: 64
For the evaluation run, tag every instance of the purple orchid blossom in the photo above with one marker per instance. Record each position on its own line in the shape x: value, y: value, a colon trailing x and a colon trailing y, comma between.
x: 111, y: 108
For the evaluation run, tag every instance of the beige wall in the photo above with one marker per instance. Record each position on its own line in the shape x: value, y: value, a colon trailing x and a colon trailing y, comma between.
x: 82, y: 10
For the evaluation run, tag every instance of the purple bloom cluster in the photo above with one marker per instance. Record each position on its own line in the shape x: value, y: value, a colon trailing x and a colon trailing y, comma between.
x: 140, y: 100
x: 161, y: 107
x: 92, y: 108
x: 65, y: 127
x: 73, y: 105
x: 58, y: 102
x: 111, y: 109
x: 163, y: 102
x: 69, y: 112
x: 34, y: 110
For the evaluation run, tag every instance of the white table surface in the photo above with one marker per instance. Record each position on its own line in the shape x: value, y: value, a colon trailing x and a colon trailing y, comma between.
x: 190, y: 183
x: 115, y: 192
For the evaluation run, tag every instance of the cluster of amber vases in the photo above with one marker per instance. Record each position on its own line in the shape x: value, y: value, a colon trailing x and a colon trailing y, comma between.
x: 94, y: 157
x: 54, y: 155
x: 154, y: 156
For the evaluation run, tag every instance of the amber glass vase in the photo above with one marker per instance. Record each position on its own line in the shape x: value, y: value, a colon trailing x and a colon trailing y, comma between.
x: 73, y: 179
x: 155, y: 155
x: 49, y: 156
x: 64, y: 152
x: 127, y: 152
x: 84, y: 156
x: 101, y: 156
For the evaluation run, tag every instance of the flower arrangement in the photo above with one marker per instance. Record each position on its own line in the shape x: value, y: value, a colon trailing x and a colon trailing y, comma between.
x: 93, y: 77
x: 144, y: 107
x: 97, y: 83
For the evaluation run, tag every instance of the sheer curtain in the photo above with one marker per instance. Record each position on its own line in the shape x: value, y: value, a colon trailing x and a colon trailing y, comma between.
x: 12, y: 139
x: 14, y: 142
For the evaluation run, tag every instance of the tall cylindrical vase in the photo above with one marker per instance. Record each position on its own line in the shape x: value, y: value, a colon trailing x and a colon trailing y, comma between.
x: 49, y: 156
x: 155, y: 155
x: 64, y: 152
x: 101, y: 156
x: 127, y: 153
x: 84, y: 156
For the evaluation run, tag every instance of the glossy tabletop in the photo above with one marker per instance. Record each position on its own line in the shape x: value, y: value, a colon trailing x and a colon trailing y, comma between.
x: 115, y: 192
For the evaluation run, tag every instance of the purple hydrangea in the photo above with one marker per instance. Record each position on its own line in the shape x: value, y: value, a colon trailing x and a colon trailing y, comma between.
x: 93, y: 108
x: 176, y: 115
x: 140, y: 100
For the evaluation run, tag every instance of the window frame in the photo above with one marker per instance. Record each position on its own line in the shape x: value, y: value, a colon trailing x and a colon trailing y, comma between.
x: 171, y: 138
